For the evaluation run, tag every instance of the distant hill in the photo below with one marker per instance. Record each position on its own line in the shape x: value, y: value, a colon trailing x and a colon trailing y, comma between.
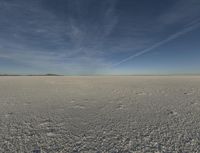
x: 48, y: 74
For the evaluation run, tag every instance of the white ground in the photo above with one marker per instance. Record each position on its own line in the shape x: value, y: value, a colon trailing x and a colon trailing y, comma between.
x: 100, y: 114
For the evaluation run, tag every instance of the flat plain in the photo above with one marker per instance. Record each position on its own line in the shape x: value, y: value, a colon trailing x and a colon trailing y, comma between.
x: 100, y: 114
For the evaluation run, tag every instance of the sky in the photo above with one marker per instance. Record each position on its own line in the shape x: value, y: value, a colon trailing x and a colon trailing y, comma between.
x: 91, y: 37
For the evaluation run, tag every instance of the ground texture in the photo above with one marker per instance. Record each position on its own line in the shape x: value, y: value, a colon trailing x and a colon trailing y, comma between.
x: 129, y: 114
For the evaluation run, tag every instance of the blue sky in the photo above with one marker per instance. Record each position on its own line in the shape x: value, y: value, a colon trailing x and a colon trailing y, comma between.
x: 79, y: 37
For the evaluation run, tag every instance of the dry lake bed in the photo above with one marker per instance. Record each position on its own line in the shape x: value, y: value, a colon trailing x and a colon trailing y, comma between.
x: 101, y: 114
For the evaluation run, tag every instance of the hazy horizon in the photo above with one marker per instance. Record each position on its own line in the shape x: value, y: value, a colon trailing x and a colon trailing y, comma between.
x: 92, y: 37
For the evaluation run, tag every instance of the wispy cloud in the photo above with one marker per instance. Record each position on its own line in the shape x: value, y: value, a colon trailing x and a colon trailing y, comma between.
x: 69, y: 41
x: 91, y: 35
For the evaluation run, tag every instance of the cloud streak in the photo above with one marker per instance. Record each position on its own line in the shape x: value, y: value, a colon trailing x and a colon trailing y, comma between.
x: 190, y: 27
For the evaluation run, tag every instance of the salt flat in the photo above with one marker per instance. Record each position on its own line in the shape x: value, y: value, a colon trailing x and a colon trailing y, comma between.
x: 100, y: 114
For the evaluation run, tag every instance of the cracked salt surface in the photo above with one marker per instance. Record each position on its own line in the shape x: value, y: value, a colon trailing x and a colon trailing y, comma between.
x: 99, y: 114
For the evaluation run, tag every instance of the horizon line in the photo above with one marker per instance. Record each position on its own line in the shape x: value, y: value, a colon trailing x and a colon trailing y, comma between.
x: 51, y: 74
